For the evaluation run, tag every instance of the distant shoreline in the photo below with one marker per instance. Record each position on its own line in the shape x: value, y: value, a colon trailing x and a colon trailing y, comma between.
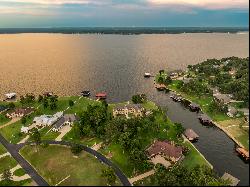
x: 126, y: 30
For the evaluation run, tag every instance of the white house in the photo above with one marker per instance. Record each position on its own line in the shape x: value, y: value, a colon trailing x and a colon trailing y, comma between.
x: 47, y: 120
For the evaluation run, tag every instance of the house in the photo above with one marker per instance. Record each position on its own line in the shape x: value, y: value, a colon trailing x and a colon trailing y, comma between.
x: 101, y: 95
x: 19, y: 112
x: 191, y: 135
x: 186, y: 80
x: 222, y: 98
x: 165, y: 149
x: 10, y: 95
x: 25, y: 130
x: 232, y: 111
x: 205, y: 120
x: 194, y: 107
x: 134, y: 109
x: 67, y: 119
x: 47, y: 120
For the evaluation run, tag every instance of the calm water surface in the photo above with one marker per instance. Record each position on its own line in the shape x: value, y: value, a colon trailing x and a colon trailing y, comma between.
x: 67, y: 64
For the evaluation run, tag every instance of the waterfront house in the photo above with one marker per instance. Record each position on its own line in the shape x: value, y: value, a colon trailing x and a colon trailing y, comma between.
x: 232, y: 111
x: 47, y: 120
x: 134, y: 109
x: 222, y: 98
x: 67, y: 119
x: 186, y: 80
x: 191, y: 135
x: 10, y: 95
x: 165, y: 149
x: 194, y: 107
x: 205, y: 120
x: 19, y: 112
x: 101, y: 95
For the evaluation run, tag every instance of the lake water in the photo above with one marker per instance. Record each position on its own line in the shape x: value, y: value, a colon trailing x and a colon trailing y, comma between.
x: 68, y: 64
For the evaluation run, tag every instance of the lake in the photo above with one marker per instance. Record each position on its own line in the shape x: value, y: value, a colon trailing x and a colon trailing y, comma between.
x: 68, y: 64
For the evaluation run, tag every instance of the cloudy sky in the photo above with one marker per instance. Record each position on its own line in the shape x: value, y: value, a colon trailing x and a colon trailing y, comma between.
x: 91, y: 13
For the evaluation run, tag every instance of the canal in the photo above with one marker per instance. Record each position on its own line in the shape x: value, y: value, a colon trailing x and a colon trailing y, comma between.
x: 213, y: 143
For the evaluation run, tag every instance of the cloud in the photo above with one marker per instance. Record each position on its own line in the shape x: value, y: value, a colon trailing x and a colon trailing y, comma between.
x: 206, y: 4
x: 49, y: 2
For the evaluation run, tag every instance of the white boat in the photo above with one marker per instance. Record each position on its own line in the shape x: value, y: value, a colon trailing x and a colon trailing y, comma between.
x: 147, y: 75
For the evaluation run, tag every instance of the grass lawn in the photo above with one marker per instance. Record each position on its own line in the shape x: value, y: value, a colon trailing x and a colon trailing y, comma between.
x: 7, y: 162
x: 19, y: 172
x: 193, y: 158
x: 12, y: 132
x: 233, y: 127
x: 81, y: 105
x: 148, y: 181
x: 150, y: 105
x: 2, y: 149
x: 3, y: 119
x: 55, y: 163
x: 119, y: 158
x: 17, y: 183
x: 51, y: 135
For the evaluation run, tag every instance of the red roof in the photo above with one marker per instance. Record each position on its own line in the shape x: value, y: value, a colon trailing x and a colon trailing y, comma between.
x: 165, y: 148
x: 101, y: 94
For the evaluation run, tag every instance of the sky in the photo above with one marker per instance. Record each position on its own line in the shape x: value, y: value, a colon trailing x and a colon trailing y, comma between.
x: 124, y: 13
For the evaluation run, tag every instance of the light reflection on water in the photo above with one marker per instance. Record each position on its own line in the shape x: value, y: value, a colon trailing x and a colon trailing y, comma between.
x: 68, y: 64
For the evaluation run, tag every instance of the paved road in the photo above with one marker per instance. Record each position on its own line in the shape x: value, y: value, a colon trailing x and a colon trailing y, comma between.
x: 14, y: 151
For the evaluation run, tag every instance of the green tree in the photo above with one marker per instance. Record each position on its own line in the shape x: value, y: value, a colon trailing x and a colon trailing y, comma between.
x: 11, y: 105
x: 179, y: 129
x: 53, y: 102
x: 23, y: 120
x: 76, y: 149
x: 7, y: 175
x: 71, y: 103
x: 110, y: 176
x: 40, y: 98
x: 45, y: 102
x: 35, y: 137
